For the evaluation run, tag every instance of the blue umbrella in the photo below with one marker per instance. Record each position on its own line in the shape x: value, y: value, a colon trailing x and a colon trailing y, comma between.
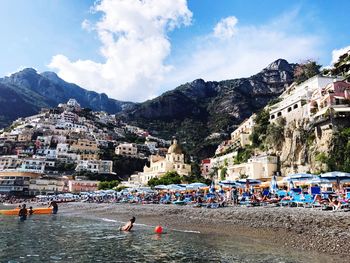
x: 298, y: 177
x: 195, y: 186
x: 161, y: 187
x: 228, y: 183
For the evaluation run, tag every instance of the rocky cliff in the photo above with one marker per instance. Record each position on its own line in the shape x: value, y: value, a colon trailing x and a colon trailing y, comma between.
x: 197, y: 109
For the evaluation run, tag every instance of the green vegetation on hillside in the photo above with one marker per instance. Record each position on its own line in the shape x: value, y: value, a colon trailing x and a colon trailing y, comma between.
x: 306, y: 70
x: 260, y: 128
x: 169, y: 178
x: 339, y: 155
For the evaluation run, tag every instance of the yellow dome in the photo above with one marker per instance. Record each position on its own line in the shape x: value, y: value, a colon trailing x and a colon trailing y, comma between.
x: 175, y: 148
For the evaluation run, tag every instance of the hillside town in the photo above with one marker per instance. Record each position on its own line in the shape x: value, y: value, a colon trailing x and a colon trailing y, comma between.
x: 51, y: 152
x: 319, y: 105
x: 71, y: 149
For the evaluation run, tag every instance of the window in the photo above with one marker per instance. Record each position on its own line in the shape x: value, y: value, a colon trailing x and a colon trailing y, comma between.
x: 279, y: 114
x: 295, y: 106
x: 289, y: 109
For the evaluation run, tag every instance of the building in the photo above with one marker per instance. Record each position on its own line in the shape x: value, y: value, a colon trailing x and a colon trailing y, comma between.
x: 73, y: 104
x: 240, y: 136
x: 77, y: 186
x: 95, y: 166
x: 9, y: 162
x: 259, y: 167
x: 126, y: 149
x: 334, y: 96
x: 173, y: 161
x: 294, y: 101
x: 206, y: 168
x: 33, y: 165
x: 16, y: 183
x: 46, y: 186
x: 87, y: 149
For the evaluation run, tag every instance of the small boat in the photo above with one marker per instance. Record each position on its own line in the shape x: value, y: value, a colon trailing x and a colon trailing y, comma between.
x: 36, y: 211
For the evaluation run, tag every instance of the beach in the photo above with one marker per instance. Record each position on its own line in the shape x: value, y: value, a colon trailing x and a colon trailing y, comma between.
x: 296, y: 228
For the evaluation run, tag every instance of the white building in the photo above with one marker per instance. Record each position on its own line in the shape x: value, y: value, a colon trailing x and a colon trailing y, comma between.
x: 294, y: 104
x: 126, y: 149
x: 95, y: 166
x: 33, y: 165
x: 173, y: 161
x: 258, y: 167
x: 240, y: 136
x: 73, y: 103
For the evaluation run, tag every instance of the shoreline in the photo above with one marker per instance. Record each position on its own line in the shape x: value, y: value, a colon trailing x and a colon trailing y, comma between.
x: 294, y: 228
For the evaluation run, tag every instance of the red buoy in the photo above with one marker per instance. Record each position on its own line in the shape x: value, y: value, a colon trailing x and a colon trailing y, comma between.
x: 158, y: 230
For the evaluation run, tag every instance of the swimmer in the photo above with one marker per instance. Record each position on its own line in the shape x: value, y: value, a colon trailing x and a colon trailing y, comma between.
x: 128, y: 225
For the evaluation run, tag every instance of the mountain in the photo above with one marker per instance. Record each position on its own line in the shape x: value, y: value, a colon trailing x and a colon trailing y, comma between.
x: 30, y: 91
x: 195, y: 110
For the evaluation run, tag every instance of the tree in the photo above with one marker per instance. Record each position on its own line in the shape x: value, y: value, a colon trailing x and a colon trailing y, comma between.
x: 105, y: 185
x: 223, y: 173
x: 306, y: 70
x: 275, y: 133
x: 261, y: 120
x: 171, y: 177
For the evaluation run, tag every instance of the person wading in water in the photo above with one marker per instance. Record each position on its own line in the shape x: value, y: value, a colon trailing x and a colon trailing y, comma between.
x: 23, y: 213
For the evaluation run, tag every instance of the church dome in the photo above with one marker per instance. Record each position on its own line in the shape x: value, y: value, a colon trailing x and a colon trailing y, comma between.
x: 175, y: 148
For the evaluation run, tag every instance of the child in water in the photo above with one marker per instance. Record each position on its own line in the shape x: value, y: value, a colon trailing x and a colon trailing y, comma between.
x: 128, y: 226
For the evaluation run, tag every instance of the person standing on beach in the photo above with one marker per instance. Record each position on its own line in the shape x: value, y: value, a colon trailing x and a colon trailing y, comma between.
x: 234, y: 196
x: 23, y: 213
x: 54, y: 205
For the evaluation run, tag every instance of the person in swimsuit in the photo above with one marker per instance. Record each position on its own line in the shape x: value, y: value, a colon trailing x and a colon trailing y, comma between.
x: 128, y: 226
x: 54, y: 206
x: 23, y: 213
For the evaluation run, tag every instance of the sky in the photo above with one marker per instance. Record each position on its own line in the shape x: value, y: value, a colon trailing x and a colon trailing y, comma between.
x: 135, y: 50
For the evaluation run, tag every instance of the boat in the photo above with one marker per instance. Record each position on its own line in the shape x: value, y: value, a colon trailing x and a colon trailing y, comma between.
x: 36, y: 211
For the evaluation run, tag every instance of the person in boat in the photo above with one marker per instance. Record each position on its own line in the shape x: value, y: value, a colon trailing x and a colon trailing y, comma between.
x: 54, y: 206
x: 128, y: 226
x: 30, y: 211
x: 23, y: 212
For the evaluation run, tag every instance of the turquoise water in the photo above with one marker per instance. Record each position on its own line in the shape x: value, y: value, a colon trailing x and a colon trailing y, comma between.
x: 63, y: 238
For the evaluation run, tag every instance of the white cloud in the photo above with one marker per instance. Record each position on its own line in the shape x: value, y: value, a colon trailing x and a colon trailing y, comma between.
x: 249, y: 50
x: 336, y: 53
x: 135, y: 45
x: 226, y: 28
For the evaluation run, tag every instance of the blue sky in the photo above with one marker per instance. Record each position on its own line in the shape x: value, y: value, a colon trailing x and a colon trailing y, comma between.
x: 135, y: 51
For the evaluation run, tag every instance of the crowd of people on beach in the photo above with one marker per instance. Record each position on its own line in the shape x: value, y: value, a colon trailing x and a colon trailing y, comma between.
x: 209, y: 198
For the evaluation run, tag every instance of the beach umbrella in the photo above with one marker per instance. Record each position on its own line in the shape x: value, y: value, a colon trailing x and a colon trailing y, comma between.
x: 176, y: 187
x: 298, y: 177
x: 248, y: 182
x: 273, y: 185
x: 228, y: 183
x: 161, y: 187
x: 335, y: 174
x: 195, y: 186
x: 318, y: 180
x: 336, y: 177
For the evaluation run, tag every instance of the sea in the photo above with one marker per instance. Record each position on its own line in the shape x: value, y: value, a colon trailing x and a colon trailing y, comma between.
x: 73, y: 238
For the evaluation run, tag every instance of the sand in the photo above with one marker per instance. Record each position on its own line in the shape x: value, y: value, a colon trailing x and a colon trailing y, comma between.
x: 300, y: 228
